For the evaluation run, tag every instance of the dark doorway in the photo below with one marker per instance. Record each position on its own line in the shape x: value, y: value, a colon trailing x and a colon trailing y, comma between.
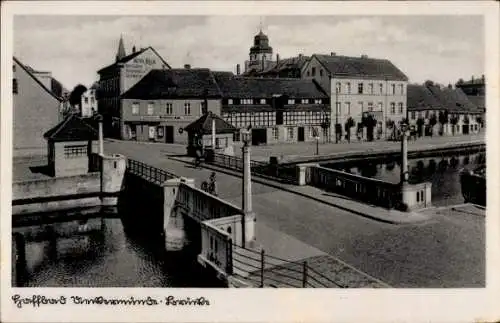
x: 279, y: 117
x: 465, y: 129
x: 301, y: 134
x: 259, y: 137
x: 169, y: 134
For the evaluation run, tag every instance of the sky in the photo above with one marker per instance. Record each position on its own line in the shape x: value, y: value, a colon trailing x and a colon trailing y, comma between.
x: 73, y: 48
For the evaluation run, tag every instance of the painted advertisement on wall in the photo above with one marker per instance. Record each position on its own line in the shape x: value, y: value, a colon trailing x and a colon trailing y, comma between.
x: 139, y: 66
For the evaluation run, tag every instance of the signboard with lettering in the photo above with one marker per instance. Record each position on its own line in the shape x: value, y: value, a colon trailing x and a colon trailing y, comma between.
x: 138, y: 67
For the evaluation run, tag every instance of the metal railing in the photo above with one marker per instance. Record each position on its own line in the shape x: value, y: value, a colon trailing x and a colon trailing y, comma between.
x: 361, y: 188
x: 263, y: 270
x: 148, y: 172
x: 286, y: 174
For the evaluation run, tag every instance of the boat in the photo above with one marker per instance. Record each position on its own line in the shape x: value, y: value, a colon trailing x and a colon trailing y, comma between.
x: 473, y: 184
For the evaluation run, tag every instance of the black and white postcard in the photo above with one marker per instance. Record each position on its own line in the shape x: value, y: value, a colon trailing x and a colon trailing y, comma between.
x: 250, y: 161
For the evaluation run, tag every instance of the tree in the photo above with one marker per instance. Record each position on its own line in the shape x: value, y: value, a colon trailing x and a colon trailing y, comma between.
x: 428, y: 83
x: 432, y: 122
x: 453, y: 122
x: 369, y: 122
x: 420, y: 126
x: 75, y: 96
x: 348, y: 125
x: 443, y: 119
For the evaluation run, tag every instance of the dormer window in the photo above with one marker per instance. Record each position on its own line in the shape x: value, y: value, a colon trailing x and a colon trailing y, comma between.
x: 317, y: 101
x: 229, y: 101
x: 246, y: 101
x: 291, y: 101
x: 262, y: 101
x: 305, y: 101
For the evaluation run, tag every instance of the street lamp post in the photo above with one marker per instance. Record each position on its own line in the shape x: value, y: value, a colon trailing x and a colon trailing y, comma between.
x: 405, y: 132
x: 101, y: 140
x: 248, y: 219
x: 316, y: 136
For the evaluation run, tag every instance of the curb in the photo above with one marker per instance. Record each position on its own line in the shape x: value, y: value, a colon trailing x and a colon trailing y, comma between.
x: 260, y: 181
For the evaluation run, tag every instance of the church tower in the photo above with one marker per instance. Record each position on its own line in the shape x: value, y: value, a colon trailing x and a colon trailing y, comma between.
x: 261, y: 54
x: 121, y: 50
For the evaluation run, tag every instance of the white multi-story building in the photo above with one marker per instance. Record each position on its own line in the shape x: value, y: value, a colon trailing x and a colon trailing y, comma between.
x: 360, y: 86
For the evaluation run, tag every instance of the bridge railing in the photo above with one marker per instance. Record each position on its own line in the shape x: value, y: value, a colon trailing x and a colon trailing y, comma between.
x: 148, y: 172
x: 281, y: 173
x: 361, y: 188
x: 216, y: 247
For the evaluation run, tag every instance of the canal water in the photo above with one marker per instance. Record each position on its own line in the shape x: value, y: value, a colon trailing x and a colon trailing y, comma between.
x: 105, y: 255
x: 443, y: 172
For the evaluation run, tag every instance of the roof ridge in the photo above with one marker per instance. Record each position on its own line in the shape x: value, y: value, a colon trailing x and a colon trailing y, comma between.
x: 36, y: 79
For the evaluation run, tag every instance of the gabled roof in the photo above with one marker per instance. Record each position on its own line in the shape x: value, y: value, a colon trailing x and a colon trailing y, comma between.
x: 29, y: 71
x: 255, y: 87
x: 130, y: 57
x: 296, y: 62
x: 420, y: 98
x: 73, y: 128
x: 478, y: 100
x: 453, y: 100
x: 361, y: 67
x: 204, y: 125
x: 175, y: 83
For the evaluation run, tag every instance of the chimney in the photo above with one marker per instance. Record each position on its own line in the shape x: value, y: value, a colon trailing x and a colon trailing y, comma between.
x: 133, y: 49
x: 482, y: 78
x: 472, y: 78
x: 277, y: 58
x: 187, y: 66
x: 238, y: 69
x: 333, y: 54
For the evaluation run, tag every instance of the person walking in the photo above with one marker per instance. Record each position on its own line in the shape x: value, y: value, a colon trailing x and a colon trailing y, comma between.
x: 212, y: 184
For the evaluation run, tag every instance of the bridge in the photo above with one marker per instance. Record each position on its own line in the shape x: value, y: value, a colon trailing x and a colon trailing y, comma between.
x: 228, y: 249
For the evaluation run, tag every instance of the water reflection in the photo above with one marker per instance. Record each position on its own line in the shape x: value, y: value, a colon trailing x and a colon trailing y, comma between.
x: 443, y: 172
x: 98, y: 253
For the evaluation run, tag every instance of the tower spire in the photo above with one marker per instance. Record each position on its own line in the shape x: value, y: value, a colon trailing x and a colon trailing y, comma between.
x: 260, y: 24
x: 121, y: 49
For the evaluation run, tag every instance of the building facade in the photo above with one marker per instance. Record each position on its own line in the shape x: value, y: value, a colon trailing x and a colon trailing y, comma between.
x: 276, y: 110
x: 120, y: 76
x: 359, y: 87
x: 442, y: 111
x: 475, y: 89
x: 88, y: 105
x: 164, y: 102
x: 35, y: 109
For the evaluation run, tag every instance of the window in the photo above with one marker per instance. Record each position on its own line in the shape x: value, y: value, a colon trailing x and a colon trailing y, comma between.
x: 150, y: 109
x: 291, y: 101
x: 230, y: 101
x: 427, y: 114
x: 305, y: 101
x: 360, y: 104
x: 360, y: 88
x: 381, y: 88
x: 400, y: 107
x: 337, y: 108
x: 75, y: 151
x: 236, y: 136
x: 246, y: 101
x: 169, y: 109
x: 290, y: 133
x: 321, y: 72
x: 13, y: 68
x: 413, y: 115
x: 159, y: 132
x: 348, y: 108
x: 86, y: 100
x: 393, y: 108
x: 380, y: 106
x: 393, y: 86
x: 337, y: 87
x: 14, y: 86
x: 313, y: 71
x: 135, y: 108
x: 370, y: 106
x: 317, y: 101
x: 401, y: 89
x: 262, y: 101
x: 92, y: 100
x: 370, y: 86
x: 187, y: 108
x: 348, y: 88
x: 275, y: 134
x: 308, y: 74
